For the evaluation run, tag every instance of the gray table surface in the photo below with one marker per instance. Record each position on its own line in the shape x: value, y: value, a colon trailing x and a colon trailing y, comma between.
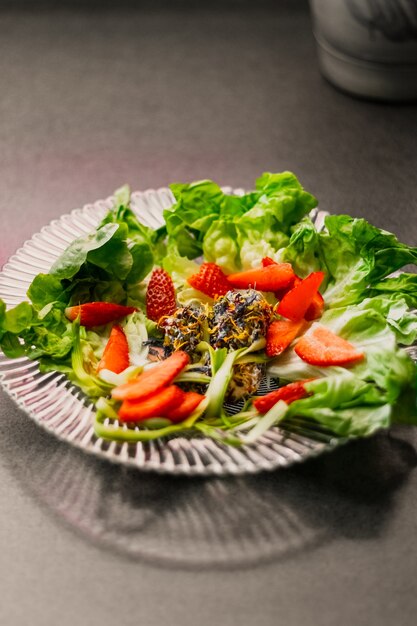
x: 90, y: 100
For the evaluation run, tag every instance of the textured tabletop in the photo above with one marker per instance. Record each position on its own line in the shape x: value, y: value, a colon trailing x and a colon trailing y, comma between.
x: 90, y: 99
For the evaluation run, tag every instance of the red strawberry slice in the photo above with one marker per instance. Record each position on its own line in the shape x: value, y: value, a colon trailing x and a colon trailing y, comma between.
x: 316, y: 308
x: 269, y: 278
x: 188, y: 405
x: 210, y: 280
x: 160, y: 295
x: 296, y: 302
x: 154, y: 379
x: 98, y: 313
x: 280, y: 293
x: 289, y: 393
x: 157, y: 405
x: 268, y: 261
x: 280, y: 335
x: 116, y: 353
x: 322, y: 347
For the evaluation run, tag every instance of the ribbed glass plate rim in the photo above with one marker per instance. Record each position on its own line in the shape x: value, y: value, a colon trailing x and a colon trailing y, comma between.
x: 61, y: 409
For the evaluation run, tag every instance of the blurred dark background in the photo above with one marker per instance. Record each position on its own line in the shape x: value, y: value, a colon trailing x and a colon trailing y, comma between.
x: 153, y: 4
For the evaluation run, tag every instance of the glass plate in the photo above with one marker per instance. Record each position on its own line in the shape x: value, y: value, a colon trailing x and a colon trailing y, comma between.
x: 60, y: 407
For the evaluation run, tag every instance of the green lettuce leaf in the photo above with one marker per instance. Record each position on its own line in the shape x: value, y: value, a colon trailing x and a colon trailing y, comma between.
x: 45, y: 289
x: 357, y: 255
x: 403, y: 285
x: 178, y: 267
x: 221, y: 245
x: 283, y: 199
x: 304, y: 250
x: 25, y: 331
x: 12, y: 323
x: 82, y: 371
x: 18, y: 319
x: 379, y: 321
x: 142, y: 242
x: 70, y: 262
x: 357, y: 402
x: 114, y: 256
x: 206, y: 220
x: 374, y: 325
x: 357, y: 421
x: 198, y: 206
x: 50, y: 336
x: 102, y: 265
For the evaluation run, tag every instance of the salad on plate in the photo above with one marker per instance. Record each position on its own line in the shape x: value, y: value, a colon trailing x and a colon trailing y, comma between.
x: 237, y: 315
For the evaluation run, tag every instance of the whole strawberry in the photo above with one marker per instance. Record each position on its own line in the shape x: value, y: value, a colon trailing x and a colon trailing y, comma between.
x: 210, y: 280
x: 160, y: 295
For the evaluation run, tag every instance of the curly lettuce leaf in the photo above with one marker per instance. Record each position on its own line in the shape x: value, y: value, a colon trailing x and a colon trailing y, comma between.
x: 357, y: 255
x: 233, y: 231
x: 12, y: 323
x: 304, y: 250
x: 221, y: 245
x: 404, y: 285
x: 382, y: 320
x: 198, y: 206
x: 358, y: 400
x: 375, y: 325
x: 363, y: 400
x: 49, y: 336
x: 46, y: 289
x: 178, y: 267
x: 283, y: 199
x: 25, y: 331
x: 357, y: 258
x: 356, y: 421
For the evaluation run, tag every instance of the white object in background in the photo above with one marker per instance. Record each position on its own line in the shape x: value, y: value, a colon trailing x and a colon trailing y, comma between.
x: 368, y: 47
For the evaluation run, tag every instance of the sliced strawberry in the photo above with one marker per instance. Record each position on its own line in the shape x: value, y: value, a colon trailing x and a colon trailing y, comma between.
x: 269, y: 278
x: 188, y: 405
x: 116, y: 353
x: 158, y: 404
x: 97, y: 313
x: 280, y: 335
x: 268, y: 261
x: 316, y: 308
x: 289, y: 393
x: 295, y: 303
x: 160, y: 295
x: 154, y: 379
x: 280, y: 293
x: 322, y: 347
x: 210, y: 280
